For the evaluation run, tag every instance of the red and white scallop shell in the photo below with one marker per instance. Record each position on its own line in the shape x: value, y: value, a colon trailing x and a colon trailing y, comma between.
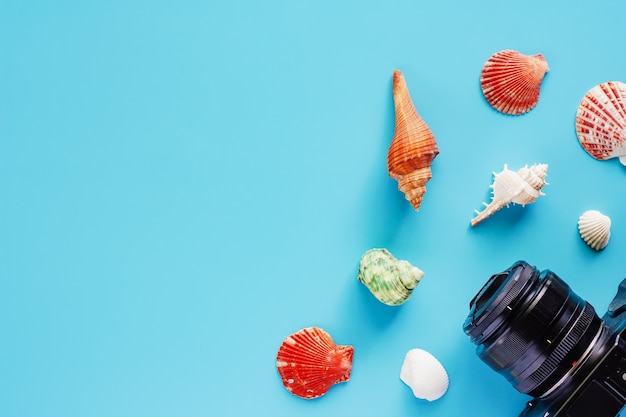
x: 601, y: 121
x: 511, y: 81
x: 309, y: 362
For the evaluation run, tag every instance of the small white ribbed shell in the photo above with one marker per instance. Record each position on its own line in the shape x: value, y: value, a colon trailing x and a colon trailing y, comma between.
x: 595, y: 229
x: 424, y: 374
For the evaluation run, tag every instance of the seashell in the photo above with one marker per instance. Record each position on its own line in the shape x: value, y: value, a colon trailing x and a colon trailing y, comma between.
x: 413, y: 147
x: 601, y: 121
x: 595, y: 229
x: 391, y: 281
x: 520, y: 187
x: 309, y: 362
x: 424, y: 374
x: 511, y: 81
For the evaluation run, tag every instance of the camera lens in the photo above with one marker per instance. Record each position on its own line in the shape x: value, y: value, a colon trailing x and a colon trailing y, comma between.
x: 530, y: 327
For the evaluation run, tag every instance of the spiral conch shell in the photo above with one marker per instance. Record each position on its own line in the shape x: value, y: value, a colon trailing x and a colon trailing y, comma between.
x: 413, y: 147
x: 390, y: 280
x: 310, y: 363
x: 595, y: 229
x: 511, y: 81
x: 601, y: 121
x: 520, y: 187
x: 424, y: 374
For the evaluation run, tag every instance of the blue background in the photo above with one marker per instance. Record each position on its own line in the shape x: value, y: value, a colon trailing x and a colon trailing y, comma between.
x: 185, y: 183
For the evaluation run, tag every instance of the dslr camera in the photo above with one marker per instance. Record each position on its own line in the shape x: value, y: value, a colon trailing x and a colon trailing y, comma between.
x: 549, y: 343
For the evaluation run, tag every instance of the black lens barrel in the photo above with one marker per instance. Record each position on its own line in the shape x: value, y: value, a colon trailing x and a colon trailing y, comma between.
x: 531, y: 327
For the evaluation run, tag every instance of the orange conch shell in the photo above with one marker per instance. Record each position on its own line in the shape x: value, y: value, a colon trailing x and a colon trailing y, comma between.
x: 601, y: 121
x: 510, y: 81
x: 413, y: 147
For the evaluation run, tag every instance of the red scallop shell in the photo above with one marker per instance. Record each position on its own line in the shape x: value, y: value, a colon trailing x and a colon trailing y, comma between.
x: 413, y: 147
x: 601, y: 121
x: 309, y: 363
x: 511, y: 81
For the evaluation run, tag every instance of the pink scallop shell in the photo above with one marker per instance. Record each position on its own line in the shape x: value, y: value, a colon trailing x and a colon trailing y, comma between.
x: 309, y: 363
x: 601, y: 121
x: 511, y: 81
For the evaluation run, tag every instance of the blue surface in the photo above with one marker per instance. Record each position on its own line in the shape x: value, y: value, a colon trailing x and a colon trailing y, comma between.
x: 183, y: 184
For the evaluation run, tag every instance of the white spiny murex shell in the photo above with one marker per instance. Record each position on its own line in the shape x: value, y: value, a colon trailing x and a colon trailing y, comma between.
x: 424, y: 374
x: 519, y: 187
x: 595, y: 229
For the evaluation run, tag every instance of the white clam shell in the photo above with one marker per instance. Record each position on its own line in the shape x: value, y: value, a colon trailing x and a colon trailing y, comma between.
x: 595, y: 229
x: 424, y: 374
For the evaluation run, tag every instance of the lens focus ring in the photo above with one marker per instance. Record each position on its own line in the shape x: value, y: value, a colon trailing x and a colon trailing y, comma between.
x: 565, y: 354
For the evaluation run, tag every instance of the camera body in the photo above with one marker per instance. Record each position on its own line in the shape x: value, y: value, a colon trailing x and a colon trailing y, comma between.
x: 530, y: 327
